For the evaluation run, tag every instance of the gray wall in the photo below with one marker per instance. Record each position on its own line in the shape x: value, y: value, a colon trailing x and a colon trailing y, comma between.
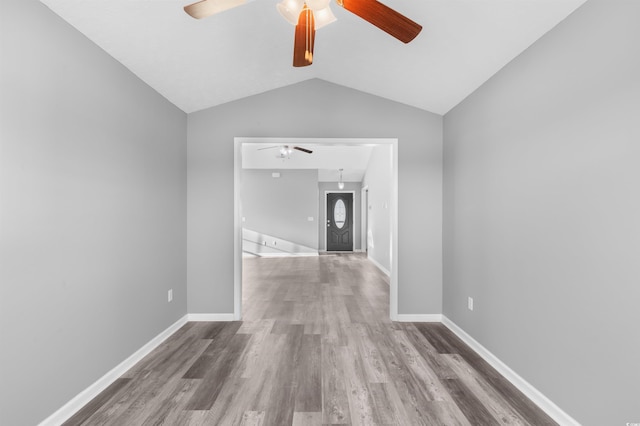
x: 281, y: 206
x: 93, y: 218
x: 335, y: 112
x: 322, y: 211
x: 542, y: 213
x: 378, y: 180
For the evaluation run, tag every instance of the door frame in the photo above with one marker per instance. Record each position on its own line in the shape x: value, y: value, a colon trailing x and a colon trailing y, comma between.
x: 353, y: 217
x: 237, y: 208
x: 364, y: 219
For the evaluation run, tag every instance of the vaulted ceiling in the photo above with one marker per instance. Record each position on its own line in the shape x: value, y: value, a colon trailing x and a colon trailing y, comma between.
x: 247, y: 50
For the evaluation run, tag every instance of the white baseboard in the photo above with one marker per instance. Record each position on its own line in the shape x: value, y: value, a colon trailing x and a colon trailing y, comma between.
x: 382, y: 268
x: 419, y: 318
x: 84, y: 397
x: 538, y: 398
x: 210, y: 317
x: 287, y: 254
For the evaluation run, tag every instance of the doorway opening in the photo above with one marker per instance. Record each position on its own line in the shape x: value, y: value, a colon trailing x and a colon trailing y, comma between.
x: 390, y: 237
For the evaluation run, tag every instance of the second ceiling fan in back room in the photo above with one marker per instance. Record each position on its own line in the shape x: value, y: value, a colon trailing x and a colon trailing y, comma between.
x: 310, y: 15
x: 286, y: 150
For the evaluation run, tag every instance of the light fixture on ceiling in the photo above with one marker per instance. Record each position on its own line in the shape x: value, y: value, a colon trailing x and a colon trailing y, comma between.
x: 285, y: 152
x: 310, y: 15
x: 340, y: 182
x: 324, y: 17
x: 322, y: 14
x: 290, y: 10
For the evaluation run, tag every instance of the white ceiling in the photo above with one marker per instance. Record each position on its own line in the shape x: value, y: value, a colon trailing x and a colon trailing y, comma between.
x: 197, y: 64
x: 326, y: 158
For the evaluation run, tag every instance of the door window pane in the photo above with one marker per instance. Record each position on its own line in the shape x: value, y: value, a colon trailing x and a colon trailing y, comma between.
x: 339, y: 213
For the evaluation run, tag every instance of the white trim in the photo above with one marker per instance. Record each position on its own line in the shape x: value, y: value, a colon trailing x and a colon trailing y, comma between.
x: 393, y: 207
x: 211, y: 317
x: 286, y: 254
x: 359, y: 250
x: 393, y: 226
x: 364, y: 218
x: 419, y: 318
x: 379, y: 266
x: 65, y: 412
x: 538, y: 398
x: 353, y: 217
x: 237, y: 226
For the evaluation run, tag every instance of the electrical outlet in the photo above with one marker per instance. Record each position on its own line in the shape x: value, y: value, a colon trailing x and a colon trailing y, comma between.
x: 170, y: 295
x: 470, y: 303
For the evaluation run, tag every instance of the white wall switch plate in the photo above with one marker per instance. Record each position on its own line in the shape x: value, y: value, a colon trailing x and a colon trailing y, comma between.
x: 170, y: 295
x: 310, y: 218
x: 470, y: 303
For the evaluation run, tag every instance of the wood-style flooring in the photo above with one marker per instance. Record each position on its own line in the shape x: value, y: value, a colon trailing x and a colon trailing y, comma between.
x: 316, y: 347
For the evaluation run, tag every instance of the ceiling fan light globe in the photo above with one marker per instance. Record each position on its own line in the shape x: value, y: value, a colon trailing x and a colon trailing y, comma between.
x: 290, y: 10
x: 316, y: 5
x: 324, y: 17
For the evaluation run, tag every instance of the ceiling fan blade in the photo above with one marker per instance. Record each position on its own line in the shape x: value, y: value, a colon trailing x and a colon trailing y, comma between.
x: 270, y: 147
x: 308, y: 151
x: 383, y: 17
x: 304, y: 39
x: 205, y: 8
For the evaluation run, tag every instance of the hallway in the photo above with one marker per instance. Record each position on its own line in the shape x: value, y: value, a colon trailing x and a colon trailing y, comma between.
x: 316, y: 347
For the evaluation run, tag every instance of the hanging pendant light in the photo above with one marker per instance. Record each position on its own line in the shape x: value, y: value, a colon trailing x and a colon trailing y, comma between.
x: 340, y: 182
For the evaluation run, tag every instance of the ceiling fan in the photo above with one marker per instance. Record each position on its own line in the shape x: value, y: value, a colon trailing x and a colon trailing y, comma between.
x: 286, y: 150
x: 310, y: 15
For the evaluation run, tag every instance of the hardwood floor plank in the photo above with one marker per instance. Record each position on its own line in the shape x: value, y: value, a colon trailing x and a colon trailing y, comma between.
x: 166, y: 410
x: 428, y: 381
x: 353, y: 310
x: 471, y: 407
x: 475, y: 383
x: 217, y: 372
x: 99, y: 401
x: 281, y: 403
x: 360, y: 400
x: 231, y: 404
x: 252, y: 418
x: 308, y: 375
x: 213, y: 351
x: 414, y: 399
x: 374, y: 367
x: 335, y: 407
x: 307, y: 419
x: 387, y: 404
x: 435, y: 360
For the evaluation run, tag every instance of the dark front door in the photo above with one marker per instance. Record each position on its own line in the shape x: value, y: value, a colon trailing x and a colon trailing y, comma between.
x: 339, y: 221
